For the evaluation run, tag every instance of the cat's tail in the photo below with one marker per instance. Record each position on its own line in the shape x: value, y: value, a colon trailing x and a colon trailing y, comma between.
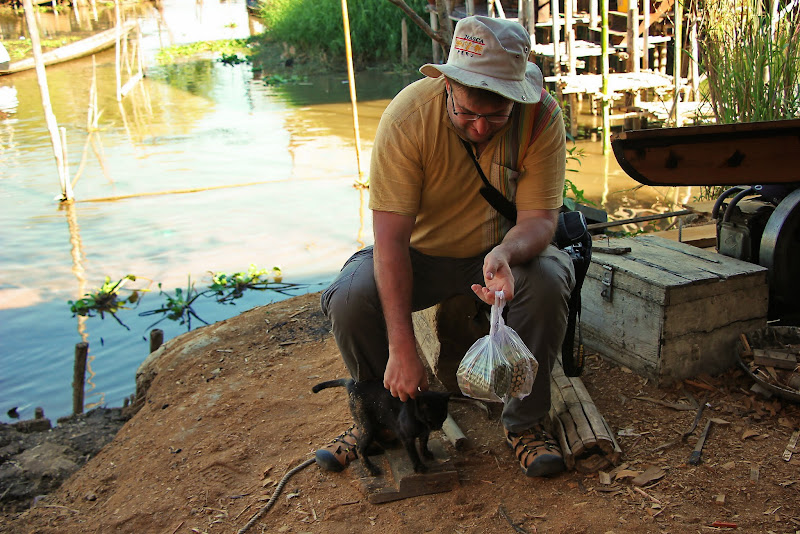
x: 341, y: 382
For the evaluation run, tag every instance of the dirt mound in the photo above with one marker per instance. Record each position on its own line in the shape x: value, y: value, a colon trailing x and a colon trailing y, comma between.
x: 229, y: 410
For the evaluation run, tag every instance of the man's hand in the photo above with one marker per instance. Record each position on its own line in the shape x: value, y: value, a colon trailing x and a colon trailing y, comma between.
x: 497, y: 277
x: 526, y: 240
x: 405, y: 375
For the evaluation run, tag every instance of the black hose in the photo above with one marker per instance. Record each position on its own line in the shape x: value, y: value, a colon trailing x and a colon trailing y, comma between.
x: 723, y: 196
x: 735, y: 200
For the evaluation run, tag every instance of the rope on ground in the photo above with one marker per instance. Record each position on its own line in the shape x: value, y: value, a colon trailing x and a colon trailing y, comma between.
x: 275, y: 494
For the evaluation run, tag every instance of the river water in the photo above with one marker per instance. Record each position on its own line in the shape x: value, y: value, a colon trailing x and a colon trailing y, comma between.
x: 271, y: 172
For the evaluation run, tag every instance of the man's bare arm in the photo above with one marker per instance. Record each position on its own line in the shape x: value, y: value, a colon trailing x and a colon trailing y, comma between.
x: 526, y: 240
x: 405, y: 374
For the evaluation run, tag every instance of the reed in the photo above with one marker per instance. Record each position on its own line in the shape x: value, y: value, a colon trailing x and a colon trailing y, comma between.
x: 751, y: 56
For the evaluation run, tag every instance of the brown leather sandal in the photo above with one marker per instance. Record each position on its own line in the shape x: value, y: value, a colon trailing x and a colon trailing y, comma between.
x: 338, y: 454
x: 538, y: 453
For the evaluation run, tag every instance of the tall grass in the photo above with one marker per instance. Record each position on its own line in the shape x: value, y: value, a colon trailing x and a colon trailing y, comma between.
x: 315, y: 27
x: 752, y: 59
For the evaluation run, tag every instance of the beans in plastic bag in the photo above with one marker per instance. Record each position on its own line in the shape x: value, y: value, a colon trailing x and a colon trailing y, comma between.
x: 498, y: 366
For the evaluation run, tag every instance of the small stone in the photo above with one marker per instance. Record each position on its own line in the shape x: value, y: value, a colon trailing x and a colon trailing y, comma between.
x: 91, y: 497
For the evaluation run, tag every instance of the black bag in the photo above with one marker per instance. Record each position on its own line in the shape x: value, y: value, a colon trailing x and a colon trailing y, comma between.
x: 572, y: 235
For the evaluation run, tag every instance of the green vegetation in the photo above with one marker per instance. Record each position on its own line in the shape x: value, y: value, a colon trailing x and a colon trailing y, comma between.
x: 21, y: 48
x: 179, y: 307
x: 224, y: 289
x: 228, y: 49
x: 752, y: 59
x: 107, y: 299
x: 314, y: 30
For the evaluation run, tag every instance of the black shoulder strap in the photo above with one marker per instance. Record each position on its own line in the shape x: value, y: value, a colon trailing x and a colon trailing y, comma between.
x: 498, y: 201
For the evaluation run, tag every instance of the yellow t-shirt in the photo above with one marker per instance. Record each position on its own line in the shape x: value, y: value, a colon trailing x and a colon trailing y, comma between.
x: 420, y: 168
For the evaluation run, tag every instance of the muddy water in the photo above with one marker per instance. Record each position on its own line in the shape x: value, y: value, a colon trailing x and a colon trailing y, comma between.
x: 201, y: 168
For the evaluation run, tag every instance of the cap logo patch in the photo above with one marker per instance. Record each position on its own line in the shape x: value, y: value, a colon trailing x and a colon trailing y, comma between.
x: 472, y: 46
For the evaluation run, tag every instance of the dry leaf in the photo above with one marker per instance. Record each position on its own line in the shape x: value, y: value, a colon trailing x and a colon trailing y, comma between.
x: 650, y: 474
x: 626, y: 473
x: 749, y: 434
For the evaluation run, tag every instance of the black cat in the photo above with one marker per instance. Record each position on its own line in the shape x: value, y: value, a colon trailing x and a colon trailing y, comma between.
x: 374, y: 409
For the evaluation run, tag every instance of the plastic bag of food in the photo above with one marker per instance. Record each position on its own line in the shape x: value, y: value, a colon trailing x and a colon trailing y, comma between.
x: 498, y: 366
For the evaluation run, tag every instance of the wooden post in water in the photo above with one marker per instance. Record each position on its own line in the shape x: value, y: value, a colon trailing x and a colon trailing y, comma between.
x: 79, y: 376
x: 352, y: 81
x: 605, y: 96
x: 156, y: 339
x: 50, y: 118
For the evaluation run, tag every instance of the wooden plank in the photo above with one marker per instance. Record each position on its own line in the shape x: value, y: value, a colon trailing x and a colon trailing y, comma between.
x: 404, y: 482
x: 618, y: 82
x: 729, y: 154
x: 701, y: 352
x: 703, y: 236
x: 716, y: 311
x: 778, y: 358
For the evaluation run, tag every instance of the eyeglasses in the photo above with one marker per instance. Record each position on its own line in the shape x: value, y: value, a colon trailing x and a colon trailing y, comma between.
x: 472, y: 117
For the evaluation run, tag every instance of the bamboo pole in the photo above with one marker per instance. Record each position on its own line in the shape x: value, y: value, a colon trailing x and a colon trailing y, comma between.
x: 646, y: 35
x: 117, y: 51
x: 677, y: 62
x: 556, y: 18
x: 50, y: 118
x: 352, y: 81
x: 695, y: 68
x: 569, y: 36
x: 605, y: 96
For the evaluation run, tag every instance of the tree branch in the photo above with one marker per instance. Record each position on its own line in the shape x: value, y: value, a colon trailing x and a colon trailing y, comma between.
x: 441, y: 37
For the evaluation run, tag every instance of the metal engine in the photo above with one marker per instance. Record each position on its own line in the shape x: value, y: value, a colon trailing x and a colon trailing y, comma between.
x: 761, y: 224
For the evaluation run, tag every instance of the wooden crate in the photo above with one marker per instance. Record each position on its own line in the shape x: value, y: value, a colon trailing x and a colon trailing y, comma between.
x: 668, y: 310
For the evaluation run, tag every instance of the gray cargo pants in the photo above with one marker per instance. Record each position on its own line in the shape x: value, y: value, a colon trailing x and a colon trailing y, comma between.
x: 538, y: 313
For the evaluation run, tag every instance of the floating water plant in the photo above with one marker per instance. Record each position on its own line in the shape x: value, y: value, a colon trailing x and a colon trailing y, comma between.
x: 178, y: 307
x: 228, y: 287
x: 107, y: 299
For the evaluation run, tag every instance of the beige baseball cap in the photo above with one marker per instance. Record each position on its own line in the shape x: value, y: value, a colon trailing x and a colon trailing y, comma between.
x: 492, y: 54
